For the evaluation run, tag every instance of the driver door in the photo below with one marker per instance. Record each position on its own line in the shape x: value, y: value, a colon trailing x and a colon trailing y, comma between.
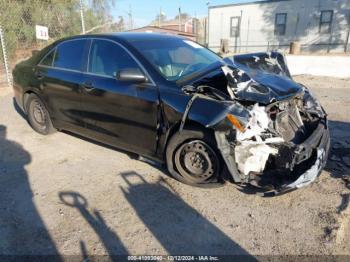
x: 119, y: 113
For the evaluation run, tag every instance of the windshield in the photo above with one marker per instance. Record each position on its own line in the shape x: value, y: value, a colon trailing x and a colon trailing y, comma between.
x: 176, y: 58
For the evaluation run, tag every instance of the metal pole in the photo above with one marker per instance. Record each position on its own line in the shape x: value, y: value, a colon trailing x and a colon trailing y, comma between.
x: 82, y: 16
x: 330, y: 37
x: 240, y: 31
x: 179, y: 18
x: 247, y: 41
x: 4, y: 54
x: 131, y: 18
x: 160, y: 17
x: 205, y: 31
x: 207, y: 26
x: 347, y: 41
x: 348, y: 36
x: 296, y: 27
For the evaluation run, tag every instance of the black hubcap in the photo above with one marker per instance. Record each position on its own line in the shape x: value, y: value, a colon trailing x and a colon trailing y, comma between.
x: 196, y: 161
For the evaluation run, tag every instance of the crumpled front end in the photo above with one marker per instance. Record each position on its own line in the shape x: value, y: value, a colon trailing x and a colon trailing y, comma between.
x: 273, y: 133
x: 281, y: 146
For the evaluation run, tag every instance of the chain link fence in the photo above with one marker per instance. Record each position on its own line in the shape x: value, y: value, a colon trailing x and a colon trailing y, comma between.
x: 3, y: 80
x: 63, y: 18
x: 251, y: 40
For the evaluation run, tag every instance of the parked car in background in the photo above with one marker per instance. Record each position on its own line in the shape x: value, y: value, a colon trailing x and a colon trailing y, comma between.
x: 209, y: 120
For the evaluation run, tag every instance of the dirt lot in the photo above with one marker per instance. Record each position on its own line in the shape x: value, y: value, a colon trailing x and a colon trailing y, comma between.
x: 63, y: 195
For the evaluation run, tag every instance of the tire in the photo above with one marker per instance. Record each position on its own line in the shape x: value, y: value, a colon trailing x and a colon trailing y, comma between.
x: 192, y: 158
x: 38, y: 116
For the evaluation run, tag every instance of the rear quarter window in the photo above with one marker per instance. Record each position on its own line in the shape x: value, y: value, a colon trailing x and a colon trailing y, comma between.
x: 70, y: 54
x: 48, y: 59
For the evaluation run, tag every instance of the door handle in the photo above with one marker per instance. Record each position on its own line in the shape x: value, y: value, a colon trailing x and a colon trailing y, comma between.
x: 39, y: 75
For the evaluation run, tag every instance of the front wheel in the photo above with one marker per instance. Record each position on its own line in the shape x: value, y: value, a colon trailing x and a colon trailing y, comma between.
x: 192, y: 158
x: 38, y: 116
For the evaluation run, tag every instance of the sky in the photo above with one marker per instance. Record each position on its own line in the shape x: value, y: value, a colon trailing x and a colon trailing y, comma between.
x: 144, y: 11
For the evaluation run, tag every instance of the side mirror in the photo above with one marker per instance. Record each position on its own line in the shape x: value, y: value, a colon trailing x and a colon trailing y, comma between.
x: 131, y: 75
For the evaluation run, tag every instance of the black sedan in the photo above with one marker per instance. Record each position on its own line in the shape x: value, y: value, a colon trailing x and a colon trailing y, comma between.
x: 208, y: 119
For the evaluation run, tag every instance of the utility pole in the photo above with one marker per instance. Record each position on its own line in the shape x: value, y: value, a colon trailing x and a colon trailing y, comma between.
x: 348, y: 36
x: 247, y: 41
x: 82, y: 16
x: 195, y: 25
x: 206, y: 26
x: 160, y: 17
x: 179, y: 18
x: 131, y: 22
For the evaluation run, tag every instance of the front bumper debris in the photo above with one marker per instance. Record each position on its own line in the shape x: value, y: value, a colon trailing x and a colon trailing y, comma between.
x: 319, y: 141
x: 307, y: 159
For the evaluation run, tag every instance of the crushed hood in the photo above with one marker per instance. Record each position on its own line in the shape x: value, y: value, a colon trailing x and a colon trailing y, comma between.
x: 259, y: 77
x: 269, y: 75
x: 270, y: 88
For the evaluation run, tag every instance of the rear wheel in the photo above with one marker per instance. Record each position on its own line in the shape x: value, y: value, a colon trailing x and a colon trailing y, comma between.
x: 38, y: 116
x: 192, y: 157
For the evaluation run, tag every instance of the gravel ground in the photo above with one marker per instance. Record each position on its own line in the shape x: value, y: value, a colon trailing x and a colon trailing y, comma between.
x: 64, y: 195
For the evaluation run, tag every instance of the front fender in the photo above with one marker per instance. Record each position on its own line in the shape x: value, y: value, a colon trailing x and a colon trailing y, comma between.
x: 179, y: 109
x: 202, y: 109
x: 210, y: 113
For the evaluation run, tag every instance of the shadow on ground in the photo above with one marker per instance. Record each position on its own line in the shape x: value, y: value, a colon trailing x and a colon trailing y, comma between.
x: 178, y: 227
x: 338, y: 164
x: 110, y: 240
x: 18, y: 109
x: 339, y: 156
x: 22, y: 230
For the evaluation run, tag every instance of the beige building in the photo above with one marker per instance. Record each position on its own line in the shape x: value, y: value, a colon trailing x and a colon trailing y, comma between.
x: 319, y: 25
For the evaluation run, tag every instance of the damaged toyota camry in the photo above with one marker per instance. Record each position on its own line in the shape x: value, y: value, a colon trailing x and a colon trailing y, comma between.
x: 209, y: 120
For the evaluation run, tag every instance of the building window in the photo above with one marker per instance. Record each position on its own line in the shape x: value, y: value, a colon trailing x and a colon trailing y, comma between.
x: 280, y: 24
x: 326, y: 21
x: 235, y: 26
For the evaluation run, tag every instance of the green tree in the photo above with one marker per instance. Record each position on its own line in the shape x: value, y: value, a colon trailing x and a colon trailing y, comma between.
x: 19, y: 17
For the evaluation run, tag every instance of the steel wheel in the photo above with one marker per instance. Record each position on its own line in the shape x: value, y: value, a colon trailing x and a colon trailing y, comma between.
x: 38, y: 117
x: 196, y: 161
x: 38, y: 113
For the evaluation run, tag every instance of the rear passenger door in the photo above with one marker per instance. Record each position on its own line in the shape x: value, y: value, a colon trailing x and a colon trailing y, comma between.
x: 60, y: 76
x: 119, y: 113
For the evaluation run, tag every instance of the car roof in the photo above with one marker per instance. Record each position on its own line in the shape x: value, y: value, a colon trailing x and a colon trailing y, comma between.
x: 128, y: 36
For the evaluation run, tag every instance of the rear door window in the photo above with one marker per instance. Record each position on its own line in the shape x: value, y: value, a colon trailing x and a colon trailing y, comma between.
x: 108, y: 58
x: 70, y: 54
x: 47, y: 61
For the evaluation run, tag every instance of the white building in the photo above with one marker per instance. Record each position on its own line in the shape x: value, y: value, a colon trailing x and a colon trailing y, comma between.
x: 319, y: 25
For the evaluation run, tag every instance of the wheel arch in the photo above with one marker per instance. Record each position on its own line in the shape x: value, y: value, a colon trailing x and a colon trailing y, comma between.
x: 190, y: 124
x: 208, y: 137
x: 25, y: 98
x: 33, y: 92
